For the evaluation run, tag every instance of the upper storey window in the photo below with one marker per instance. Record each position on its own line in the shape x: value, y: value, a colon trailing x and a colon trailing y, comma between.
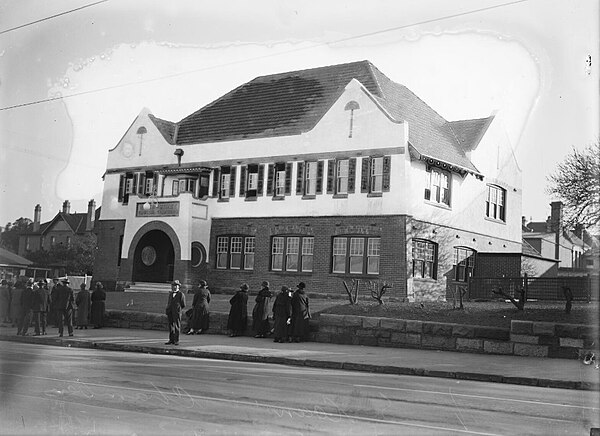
x: 340, y: 176
x: 375, y: 177
x: 437, y: 188
x: 251, y: 181
x: 224, y: 182
x: 279, y: 180
x: 309, y: 179
x: 495, y: 203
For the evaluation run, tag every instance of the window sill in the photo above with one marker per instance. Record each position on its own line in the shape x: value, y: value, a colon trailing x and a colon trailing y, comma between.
x: 250, y: 199
x: 288, y: 273
x: 309, y: 197
x: 425, y: 279
x: 223, y: 200
x: 340, y: 195
x: 493, y: 220
x: 375, y: 194
x: 278, y: 198
x: 440, y: 205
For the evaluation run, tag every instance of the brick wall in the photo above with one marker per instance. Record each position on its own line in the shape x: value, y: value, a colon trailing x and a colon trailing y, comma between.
x: 392, y: 267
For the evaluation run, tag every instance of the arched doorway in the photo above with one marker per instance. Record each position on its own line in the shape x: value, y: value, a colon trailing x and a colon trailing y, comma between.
x: 153, y: 258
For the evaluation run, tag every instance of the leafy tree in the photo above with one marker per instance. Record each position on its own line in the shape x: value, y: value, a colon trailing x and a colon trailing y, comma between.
x: 9, y: 238
x: 576, y: 182
x: 77, y: 259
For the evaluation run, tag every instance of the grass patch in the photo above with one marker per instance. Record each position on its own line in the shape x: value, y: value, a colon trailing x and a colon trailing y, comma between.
x: 492, y: 313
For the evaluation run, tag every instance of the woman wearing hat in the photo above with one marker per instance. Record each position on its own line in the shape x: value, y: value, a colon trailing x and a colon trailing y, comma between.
x: 282, y: 315
x: 200, y: 314
x: 83, y: 302
x: 260, y: 313
x: 238, y: 314
x: 98, y: 305
x: 300, y: 314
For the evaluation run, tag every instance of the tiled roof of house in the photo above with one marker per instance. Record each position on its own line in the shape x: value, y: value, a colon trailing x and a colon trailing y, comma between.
x: 292, y: 103
x: 527, y: 248
x: 12, y: 259
x: 76, y: 221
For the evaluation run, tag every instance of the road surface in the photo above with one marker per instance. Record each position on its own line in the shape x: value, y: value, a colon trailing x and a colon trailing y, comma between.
x: 56, y: 390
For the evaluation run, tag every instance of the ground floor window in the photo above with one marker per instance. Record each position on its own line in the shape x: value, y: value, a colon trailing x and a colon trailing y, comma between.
x: 424, y: 259
x: 464, y: 263
x: 292, y: 253
x: 356, y: 255
x: 235, y: 252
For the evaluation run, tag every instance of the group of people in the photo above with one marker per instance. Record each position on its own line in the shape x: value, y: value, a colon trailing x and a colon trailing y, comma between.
x: 30, y: 303
x: 291, y: 312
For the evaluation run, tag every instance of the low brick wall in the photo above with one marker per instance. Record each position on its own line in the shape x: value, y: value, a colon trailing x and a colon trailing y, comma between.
x: 524, y: 338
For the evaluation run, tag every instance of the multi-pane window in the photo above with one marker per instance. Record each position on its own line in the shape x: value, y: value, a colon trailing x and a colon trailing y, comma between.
x: 224, y: 185
x: 437, y: 187
x: 235, y: 252
x: 187, y: 185
x: 350, y: 257
x: 149, y: 186
x: 464, y: 262
x: 494, y: 205
x: 175, y: 189
x: 377, y: 174
x: 310, y: 181
x: 249, y: 252
x: 280, y: 182
x: 341, y: 177
x: 424, y: 255
x: 292, y: 253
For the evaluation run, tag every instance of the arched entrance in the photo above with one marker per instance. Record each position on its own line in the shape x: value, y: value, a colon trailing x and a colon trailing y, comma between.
x: 153, y: 258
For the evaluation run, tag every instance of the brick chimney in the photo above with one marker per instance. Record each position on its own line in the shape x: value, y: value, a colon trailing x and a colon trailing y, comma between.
x: 91, y: 212
x: 66, y: 207
x: 37, y: 216
x: 556, y: 223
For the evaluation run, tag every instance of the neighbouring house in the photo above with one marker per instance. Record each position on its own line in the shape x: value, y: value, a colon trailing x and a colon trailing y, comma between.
x: 324, y: 176
x: 64, y: 229
x: 553, y: 241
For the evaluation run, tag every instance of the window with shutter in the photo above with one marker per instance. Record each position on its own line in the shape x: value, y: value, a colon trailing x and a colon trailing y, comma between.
x: 300, y: 178
x: 270, y: 178
x: 351, y: 174
x: 330, y: 176
x: 216, y: 181
x: 320, y: 177
x: 288, y: 178
x: 232, y: 178
x: 243, y: 171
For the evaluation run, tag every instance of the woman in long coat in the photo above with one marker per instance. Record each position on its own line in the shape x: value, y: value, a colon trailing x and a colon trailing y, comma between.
x: 200, y: 314
x: 83, y: 302
x: 260, y: 313
x: 98, y: 305
x: 282, y: 313
x: 300, y: 314
x: 4, y: 302
x: 238, y: 314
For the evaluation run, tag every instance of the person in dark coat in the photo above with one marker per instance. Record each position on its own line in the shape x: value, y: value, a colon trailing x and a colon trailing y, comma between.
x: 64, y: 301
x: 300, y: 314
x: 39, y: 307
x: 175, y: 305
x: 238, y: 314
x: 83, y: 302
x: 16, y: 309
x: 98, y: 300
x: 52, y: 315
x: 260, y: 313
x: 27, y: 305
x: 282, y: 315
x: 200, y: 315
x: 5, y: 294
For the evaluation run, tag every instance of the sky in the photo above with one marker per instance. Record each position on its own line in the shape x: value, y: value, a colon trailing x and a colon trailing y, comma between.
x: 74, y: 74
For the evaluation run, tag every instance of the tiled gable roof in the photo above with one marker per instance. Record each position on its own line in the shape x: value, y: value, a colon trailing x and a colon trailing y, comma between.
x: 293, y: 103
x: 527, y: 248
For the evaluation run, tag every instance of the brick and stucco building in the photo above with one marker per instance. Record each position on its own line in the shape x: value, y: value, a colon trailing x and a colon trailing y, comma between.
x: 322, y: 176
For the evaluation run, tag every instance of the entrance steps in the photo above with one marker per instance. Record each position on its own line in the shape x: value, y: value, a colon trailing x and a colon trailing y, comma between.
x: 148, y: 287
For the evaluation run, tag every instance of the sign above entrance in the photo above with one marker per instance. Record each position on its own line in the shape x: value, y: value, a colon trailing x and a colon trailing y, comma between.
x: 167, y: 208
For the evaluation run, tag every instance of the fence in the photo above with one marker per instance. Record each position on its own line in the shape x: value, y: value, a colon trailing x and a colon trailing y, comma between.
x: 538, y: 288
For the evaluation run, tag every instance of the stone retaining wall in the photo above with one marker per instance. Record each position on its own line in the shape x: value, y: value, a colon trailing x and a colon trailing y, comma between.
x: 524, y: 338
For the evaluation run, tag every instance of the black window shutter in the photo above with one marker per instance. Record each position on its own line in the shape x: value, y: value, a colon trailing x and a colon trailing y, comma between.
x: 320, y: 177
x: 216, y: 182
x: 121, y: 187
x: 365, y: 175
x: 330, y: 175
x: 142, y: 186
x: 270, y: 174
x: 243, y: 181
x: 351, y: 174
x: 134, y: 187
x: 387, y: 168
x: 261, y: 177
x: 427, y: 188
x: 288, y: 178
x: 232, y: 173
x: 300, y: 178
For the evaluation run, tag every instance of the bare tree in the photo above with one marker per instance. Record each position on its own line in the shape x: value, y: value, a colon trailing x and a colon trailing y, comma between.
x: 576, y: 182
x: 352, y: 291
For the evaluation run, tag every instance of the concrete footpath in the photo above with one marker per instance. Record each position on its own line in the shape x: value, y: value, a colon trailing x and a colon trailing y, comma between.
x: 532, y: 371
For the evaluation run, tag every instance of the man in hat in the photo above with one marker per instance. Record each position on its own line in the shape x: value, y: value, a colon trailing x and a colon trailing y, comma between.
x: 175, y: 304
x: 63, y: 302
x: 300, y: 314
